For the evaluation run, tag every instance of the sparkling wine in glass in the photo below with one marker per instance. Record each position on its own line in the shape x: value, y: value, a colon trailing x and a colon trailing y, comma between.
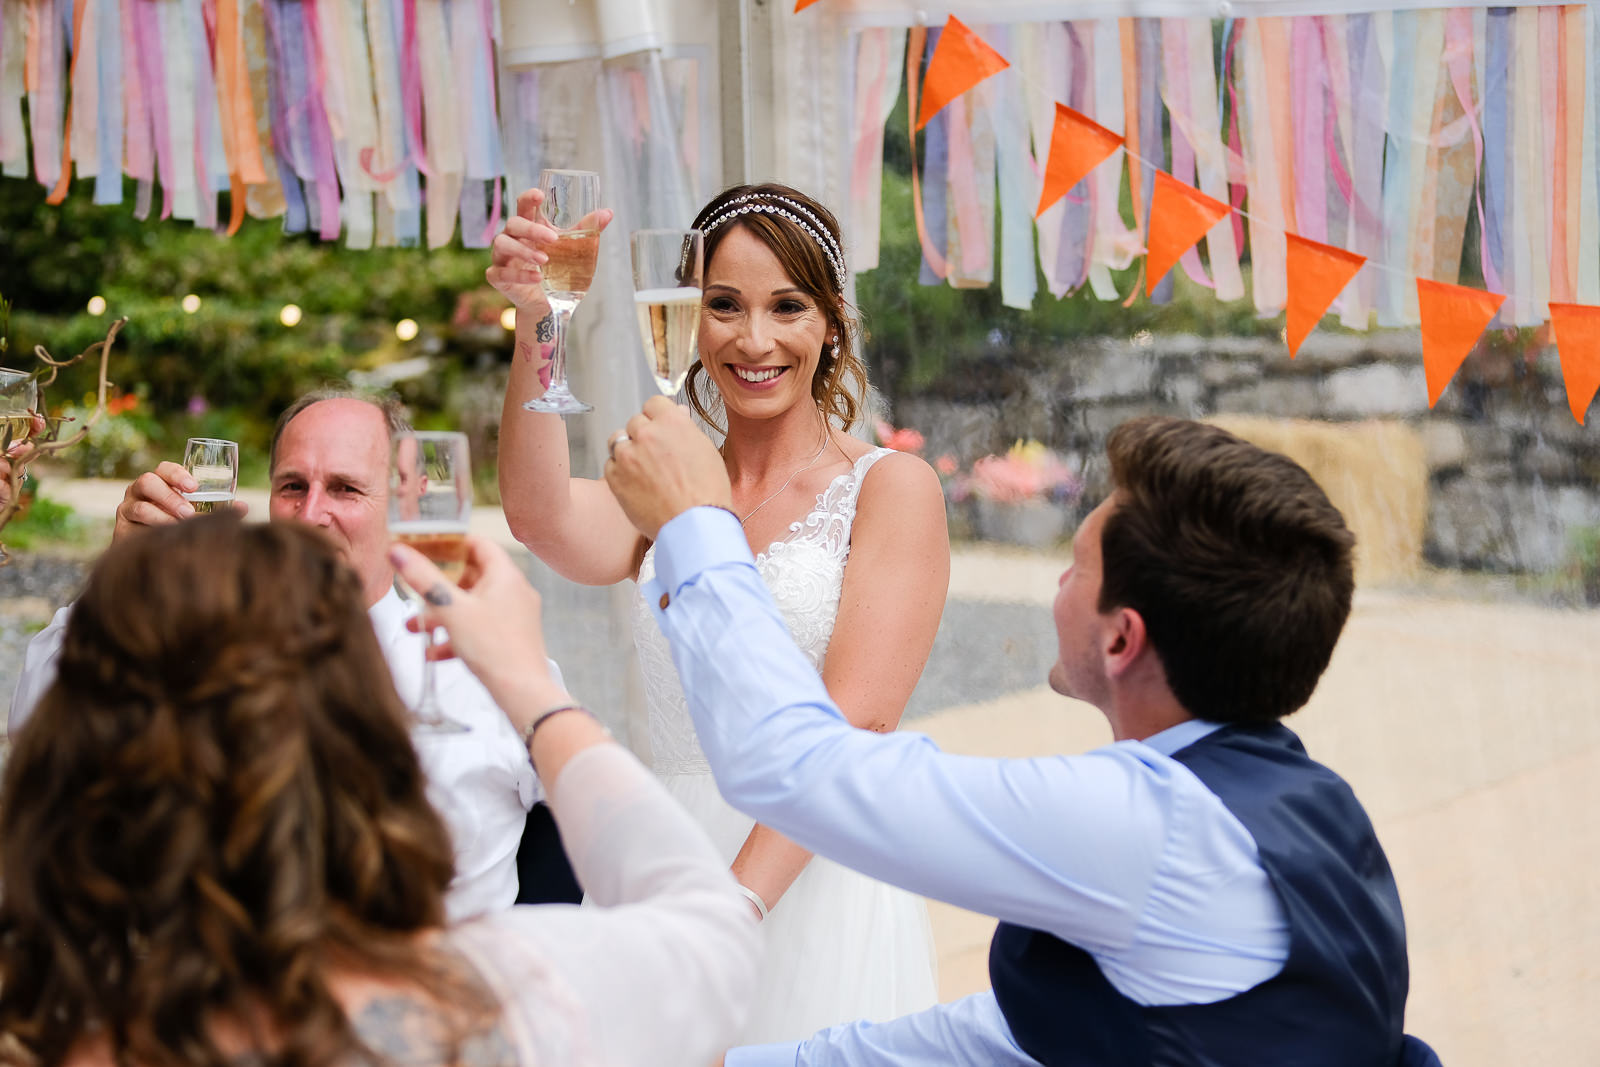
x: 571, y: 203
x: 19, y: 397
x: 667, y: 270
x: 214, y: 465
x: 430, y: 505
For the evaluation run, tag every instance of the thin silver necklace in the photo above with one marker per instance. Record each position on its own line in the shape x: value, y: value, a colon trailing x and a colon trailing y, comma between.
x: 820, y: 449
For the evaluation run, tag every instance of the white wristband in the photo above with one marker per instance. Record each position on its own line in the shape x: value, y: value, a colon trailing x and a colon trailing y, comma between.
x: 754, y: 898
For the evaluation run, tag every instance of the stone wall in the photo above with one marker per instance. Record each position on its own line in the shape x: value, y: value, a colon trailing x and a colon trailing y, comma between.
x: 1510, y: 475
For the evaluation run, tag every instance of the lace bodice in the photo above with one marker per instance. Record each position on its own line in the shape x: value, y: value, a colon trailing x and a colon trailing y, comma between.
x: 805, y: 573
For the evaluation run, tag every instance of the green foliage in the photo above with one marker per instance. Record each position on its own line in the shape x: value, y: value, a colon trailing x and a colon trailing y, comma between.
x: 233, y: 352
x: 48, y: 522
x: 1584, y: 563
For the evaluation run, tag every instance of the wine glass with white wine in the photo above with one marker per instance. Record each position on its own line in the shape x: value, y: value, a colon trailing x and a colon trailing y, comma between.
x: 430, y: 506
x: 214, y: 465
x: 668, y: 266
x: 19, y: 397
x: 571, y: 204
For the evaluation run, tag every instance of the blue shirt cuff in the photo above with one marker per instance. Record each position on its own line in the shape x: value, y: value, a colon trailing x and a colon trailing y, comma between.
x: 786, y: 1054
x: 695, y: 541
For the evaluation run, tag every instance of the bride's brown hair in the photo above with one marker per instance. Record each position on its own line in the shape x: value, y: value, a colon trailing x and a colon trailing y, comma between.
x: 215, y: 804
x: 815, y: 261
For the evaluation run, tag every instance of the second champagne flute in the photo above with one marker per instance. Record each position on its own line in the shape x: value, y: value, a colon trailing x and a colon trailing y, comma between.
x: 19, y: 398
x: 430, y: 505
x: 571, y: 201
x: 214, y: 464
x: 666, y: 297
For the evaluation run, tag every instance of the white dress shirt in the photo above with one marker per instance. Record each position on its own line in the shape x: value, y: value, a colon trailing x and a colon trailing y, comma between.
x: 479, y: 781
x: 1121, y: 851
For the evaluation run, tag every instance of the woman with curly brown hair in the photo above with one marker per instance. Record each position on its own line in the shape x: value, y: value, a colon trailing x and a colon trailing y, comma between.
x: 850, y: 539
x: 216, y: 848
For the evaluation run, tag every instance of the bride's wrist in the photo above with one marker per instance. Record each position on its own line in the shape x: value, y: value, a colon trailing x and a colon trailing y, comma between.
x: 759, y: 905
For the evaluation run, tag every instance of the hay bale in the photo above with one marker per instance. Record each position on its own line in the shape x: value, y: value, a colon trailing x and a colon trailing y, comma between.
x: 1375, y: 472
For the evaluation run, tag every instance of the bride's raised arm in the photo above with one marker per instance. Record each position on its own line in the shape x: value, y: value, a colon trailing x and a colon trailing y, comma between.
x: 895, y: 585
x: 573, y: 524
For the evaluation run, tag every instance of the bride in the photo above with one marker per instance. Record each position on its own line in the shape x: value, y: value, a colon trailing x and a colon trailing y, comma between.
x: 850, y: 539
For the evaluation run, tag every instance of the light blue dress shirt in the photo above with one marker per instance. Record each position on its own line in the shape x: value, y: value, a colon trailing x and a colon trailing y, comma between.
x: 1121, y: 851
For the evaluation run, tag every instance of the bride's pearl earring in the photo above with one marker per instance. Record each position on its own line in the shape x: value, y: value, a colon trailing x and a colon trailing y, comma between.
x: 833, y: 347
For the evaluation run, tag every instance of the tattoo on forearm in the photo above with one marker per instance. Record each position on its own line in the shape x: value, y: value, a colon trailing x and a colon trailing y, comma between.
x: 525, y: 350
x: 545, y: 332
x: 438, y: 596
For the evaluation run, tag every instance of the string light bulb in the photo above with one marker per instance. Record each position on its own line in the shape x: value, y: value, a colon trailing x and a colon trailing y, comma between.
x: 508, y: 318
x: 405, y: 329
x: 97, y: 305
x: 290, y: 315
x: 191, y: 303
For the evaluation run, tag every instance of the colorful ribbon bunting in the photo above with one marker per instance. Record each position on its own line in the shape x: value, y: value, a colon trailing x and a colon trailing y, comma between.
x: 1179, y: 216
x: 960, y: 61
x: 1317, y: 274
x: 1078, y: 145
x: 1577, y: 334
x: 1453, y: 318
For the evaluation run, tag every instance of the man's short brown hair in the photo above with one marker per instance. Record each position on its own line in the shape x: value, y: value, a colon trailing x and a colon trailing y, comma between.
x: 1236, y: 560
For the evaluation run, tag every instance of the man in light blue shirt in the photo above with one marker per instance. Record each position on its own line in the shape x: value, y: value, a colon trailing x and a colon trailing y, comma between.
x: 1198, y: 891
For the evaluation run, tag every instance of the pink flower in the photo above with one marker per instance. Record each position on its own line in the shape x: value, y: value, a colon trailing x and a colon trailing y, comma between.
x: 902, y: 440
x: 1027, y: 471
x: 946, y: 465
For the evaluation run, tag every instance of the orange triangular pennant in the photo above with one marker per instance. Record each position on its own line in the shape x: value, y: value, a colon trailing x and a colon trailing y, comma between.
x: 1577, y: 332
x: 960, y: 61
x: 801, y: 5
x: 1317, y: 273
x: 1078, y: 144
x: 1453, y: 317
x: 1179, y: 216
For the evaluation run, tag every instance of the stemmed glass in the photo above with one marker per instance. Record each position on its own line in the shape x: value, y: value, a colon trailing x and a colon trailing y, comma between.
x: 214, y: 464
x: 667, y: 270
x: 571, y: 201
x: 430, y: 504
x: 19, y: 397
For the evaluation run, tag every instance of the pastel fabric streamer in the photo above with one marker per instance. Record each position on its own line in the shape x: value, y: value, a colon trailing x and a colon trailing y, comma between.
x: 970, y: 174
x: 1267, y: 182
x: 13, y: 49
x: 44, y: 76
x: 1115, y: 243
x: 1530, y: 269
x: 1588, y: 282
x: 878, y: 81
x: 108, y: 85
x: 1014, y: 174
x: 1043, y: 59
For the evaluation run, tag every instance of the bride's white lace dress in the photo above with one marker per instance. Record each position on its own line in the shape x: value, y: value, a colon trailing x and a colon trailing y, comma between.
x: 840, y: 946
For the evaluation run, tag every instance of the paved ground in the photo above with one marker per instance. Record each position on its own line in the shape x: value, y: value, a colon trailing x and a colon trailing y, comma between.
x: 1471, y: 730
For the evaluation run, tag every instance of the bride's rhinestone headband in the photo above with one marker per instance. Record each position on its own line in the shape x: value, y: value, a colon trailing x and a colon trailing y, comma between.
x: 769, y: 204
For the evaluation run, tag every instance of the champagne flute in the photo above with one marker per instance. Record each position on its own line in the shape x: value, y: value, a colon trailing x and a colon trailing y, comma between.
x: 667, y: 270
x: 430, y: 504
x: 19, y: 396
x: 571, y: 200
x: 214, y: 465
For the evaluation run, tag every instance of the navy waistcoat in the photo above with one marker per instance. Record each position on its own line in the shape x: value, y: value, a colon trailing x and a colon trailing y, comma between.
x: 1339, y: 1000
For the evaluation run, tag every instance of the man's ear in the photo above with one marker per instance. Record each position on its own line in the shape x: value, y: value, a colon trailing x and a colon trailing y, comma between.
x: 1124, y: 641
